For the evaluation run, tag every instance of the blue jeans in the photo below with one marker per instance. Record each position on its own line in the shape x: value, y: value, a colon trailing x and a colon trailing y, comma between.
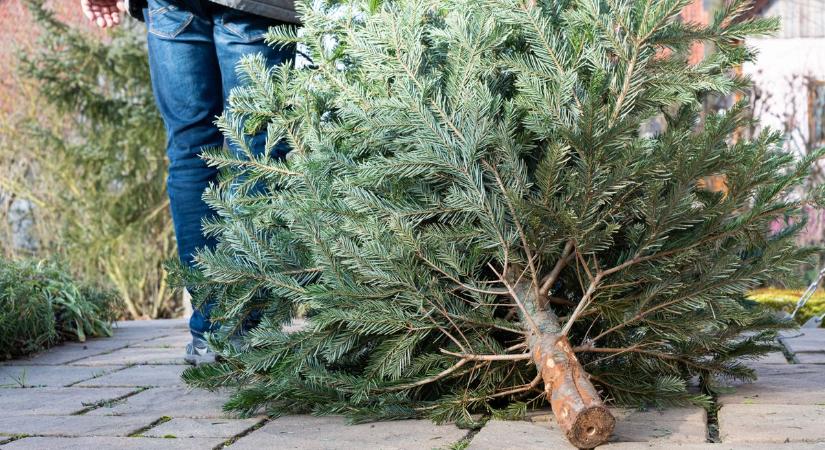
x: 194, y: 46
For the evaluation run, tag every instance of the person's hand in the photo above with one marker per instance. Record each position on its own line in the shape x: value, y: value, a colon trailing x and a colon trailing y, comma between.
x: 104, y: 13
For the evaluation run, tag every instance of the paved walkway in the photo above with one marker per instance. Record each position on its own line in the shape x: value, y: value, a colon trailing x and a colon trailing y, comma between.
x: 125, y: 392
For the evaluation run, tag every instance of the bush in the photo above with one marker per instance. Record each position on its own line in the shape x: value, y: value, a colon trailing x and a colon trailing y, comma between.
x: 87, y: 163
x: 42, y: 305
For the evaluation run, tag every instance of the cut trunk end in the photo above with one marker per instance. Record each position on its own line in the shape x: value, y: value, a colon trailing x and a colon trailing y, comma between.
x: 590, y: 427
x: 579, y: 411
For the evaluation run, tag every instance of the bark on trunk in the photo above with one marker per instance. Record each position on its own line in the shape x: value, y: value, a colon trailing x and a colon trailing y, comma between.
x: 579, y: 411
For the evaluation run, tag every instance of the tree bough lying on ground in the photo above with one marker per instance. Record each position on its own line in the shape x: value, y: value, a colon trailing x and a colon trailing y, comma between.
x: 473, y: 221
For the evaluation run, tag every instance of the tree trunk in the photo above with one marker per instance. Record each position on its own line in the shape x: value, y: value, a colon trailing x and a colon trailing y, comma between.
x: 579, y: 411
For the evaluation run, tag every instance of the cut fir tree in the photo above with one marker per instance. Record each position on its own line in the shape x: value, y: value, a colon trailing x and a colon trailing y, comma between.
x: 472, y: 221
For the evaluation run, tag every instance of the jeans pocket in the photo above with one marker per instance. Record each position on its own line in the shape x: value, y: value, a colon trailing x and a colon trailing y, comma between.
x: 166, y: 19
x: 247, y: 27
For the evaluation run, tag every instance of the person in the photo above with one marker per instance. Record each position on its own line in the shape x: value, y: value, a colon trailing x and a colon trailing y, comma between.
x: 194, y: 46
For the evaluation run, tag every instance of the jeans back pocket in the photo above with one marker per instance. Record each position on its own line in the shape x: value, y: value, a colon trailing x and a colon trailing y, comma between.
x: 247, y: 27
x: 167, y: 19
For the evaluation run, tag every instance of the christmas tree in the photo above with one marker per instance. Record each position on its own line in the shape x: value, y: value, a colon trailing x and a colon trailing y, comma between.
x: 472, y: 221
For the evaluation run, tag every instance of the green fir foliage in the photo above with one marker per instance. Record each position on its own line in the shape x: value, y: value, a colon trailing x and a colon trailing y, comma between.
x: 445, y: 151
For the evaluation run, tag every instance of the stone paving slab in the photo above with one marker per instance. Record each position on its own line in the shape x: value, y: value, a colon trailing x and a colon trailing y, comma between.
x: 171, y: 402
x: 773, y: 358
x: 714, y: 446
x: 805, y: 340
x: 333, y: 433
x: 54, y: 401
x: 772, y: 423
x: 125, y: 443
x: 71, y: 352
x: 137, y: 335
x: 48, y: 376
x: 683, y: 425
x: 141, y: 330
x: 182, y: 324
x: 792, y: 384
x: 177, y: 340
x: 811, y: 358
x: 519, y: 435
x: 143, y: 375
x: 134, y: 355
x: 73, y: 425
x: 674, y: 425
x: 201, y: 428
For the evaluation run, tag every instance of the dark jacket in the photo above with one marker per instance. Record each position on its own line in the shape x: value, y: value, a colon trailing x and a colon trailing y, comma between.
x: 283, y: 10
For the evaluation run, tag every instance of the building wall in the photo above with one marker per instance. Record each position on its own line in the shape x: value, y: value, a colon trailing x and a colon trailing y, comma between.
x: 800, y: 18
x: 696, y: 12
x: 782, y: 76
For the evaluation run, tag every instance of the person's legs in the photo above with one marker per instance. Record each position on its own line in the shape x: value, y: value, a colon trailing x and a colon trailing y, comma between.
x: 237, y: 34
x: 186, y: 79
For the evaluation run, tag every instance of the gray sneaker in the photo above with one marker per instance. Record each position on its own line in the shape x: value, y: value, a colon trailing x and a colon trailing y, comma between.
x: 198, y: 352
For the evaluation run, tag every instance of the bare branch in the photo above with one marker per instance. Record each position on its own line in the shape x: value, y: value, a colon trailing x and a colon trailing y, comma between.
x: 473, y: 357
x: 431, y: 379
x: 548, y: 281
x: 518, y: 301
x: 522, y: 235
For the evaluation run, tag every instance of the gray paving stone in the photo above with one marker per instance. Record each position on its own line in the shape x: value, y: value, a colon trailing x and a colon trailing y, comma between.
x: 121, y: 443
x: 519, y: 435
x: 73, y: 425
x: 157, y: 323
x: 142, y: 330
x: 137, y: 335
x: 773, y: 358
x: 326, y: 433
x: 684, y: 425
x: 134, y: 355
x: 33, y: 376
x: 743, y: 423
x: 68, y: 352
x: 201, y: 428
x: 178, y: 340
x: 805, y: 340
x: 674, y: 425
x: 714, y: 446
x: 94, y: 345
x: 54, y: 401
x: 171, y: 402
x: 792, y: 384
x: 811, y: 358
x: 143, y: 375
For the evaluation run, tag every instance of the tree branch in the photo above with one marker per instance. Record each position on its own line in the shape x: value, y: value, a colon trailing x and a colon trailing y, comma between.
x: 473, y: 357
x: 550, y: 279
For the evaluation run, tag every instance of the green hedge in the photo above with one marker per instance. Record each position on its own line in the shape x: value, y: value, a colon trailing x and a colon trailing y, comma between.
x: 785, y: 300
x: 42, y: 305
